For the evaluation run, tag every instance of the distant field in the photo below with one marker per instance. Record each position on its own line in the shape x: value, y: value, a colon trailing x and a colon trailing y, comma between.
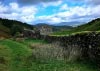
x: 26, y: 55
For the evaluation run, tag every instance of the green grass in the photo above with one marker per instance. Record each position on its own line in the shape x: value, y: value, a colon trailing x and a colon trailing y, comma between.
x: 34, y: 41
x: 28, y: 42
x: 19, y: 53
x: 17, y: 56
x: 5, y: 58
x: 62, y: 66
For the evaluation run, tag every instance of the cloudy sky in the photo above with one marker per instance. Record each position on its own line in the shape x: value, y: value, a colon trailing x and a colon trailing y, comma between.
x: 50, y: 11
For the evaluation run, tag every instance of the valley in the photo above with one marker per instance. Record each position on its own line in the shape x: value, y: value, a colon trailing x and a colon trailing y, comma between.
x: 24, y: 47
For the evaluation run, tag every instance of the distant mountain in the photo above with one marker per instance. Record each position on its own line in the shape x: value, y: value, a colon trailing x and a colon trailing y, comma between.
x: 41, y: 24
x: 69, y: 23
x: 54, y: 27
x: 62, y: 28
x: 11, y: 27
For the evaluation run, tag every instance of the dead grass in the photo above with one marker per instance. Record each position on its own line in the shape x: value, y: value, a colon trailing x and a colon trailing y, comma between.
x: 55, y: 51
x: 47, y: 51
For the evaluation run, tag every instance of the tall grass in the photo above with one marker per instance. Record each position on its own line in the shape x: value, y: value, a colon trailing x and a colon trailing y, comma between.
x: 47, y: 52
x: 55, y: 51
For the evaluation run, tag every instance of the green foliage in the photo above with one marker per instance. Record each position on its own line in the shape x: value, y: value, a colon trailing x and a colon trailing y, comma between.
x: 62, y: 66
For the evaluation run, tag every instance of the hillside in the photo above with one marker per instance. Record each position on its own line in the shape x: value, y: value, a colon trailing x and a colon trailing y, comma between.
x: 93, y: 25
x: 4, y: 31
x: 11, y: 27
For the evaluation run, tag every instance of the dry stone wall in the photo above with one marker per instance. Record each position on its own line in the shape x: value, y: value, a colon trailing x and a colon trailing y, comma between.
x: 88, y: 44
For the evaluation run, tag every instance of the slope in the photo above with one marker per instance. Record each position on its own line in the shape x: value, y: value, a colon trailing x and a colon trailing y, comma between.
x: 93, y: 25
x: 11, y: 27
x: 4, y: 31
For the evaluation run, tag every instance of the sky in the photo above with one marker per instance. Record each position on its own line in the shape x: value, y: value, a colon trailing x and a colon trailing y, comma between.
x: 50, y: 11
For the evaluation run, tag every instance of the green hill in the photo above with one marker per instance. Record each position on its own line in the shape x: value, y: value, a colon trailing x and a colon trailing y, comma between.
x: 11, y: 27
x: 93, y: 25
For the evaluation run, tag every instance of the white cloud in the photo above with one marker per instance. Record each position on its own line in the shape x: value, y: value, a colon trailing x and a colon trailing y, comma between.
x: 13, y: 11
x: 28, y: 13
x: 14, y: 6
x: 2, y: 8
x: 28, y: 19
x: 64, y: 7
x: 49, y: 19
x: 77, y: 13
x: 80, y: 13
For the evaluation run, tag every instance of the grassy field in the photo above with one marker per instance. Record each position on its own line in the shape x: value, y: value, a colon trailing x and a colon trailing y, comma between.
x: 36, y: 55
